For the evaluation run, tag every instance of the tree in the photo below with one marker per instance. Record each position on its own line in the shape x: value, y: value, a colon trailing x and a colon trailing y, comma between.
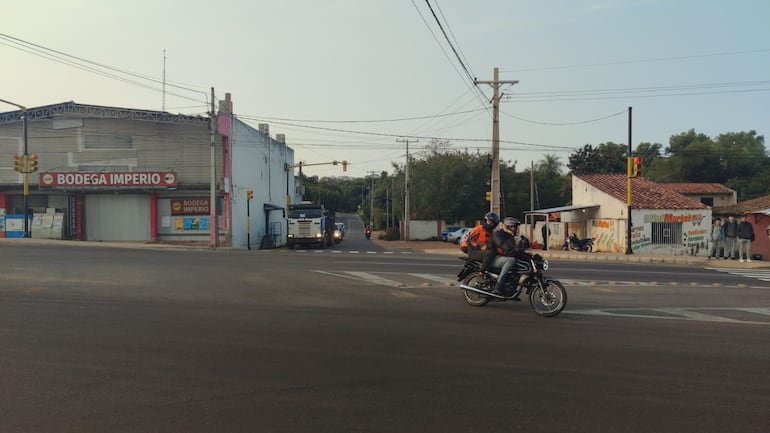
x: 605, y: 158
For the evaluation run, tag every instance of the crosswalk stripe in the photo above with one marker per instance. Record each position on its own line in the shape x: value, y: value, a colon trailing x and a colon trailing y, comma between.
x: 764, y: 311
x: 374, y: 279
x: 694, y: 315
x: 436, y: 278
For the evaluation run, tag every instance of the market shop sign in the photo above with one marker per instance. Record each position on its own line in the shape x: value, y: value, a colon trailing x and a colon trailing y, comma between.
x: 190, y: 206
x: 110, y: 179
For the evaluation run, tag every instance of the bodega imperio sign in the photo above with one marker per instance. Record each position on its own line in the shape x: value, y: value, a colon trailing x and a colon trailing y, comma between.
x: 190, y: 206
x: 108, y: 179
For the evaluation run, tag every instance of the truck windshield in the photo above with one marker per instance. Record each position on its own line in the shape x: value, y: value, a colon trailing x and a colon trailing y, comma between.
x: 305, y: 213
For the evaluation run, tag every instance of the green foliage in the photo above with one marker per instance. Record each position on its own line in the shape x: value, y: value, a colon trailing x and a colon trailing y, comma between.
x: 450, y: 186
x: 605, y: 158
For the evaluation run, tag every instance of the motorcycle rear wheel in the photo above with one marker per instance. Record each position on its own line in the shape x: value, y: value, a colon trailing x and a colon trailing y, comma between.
x: 477, y: 280
x: 549, y: 299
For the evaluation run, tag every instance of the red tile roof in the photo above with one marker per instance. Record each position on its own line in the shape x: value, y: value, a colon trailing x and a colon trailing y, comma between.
x: 746, y: 206
x: 698, y: 188
x: 645, y: 194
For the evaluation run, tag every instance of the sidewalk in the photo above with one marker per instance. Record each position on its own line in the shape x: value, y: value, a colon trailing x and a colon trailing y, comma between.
x: 446, y: 248
x: 430, y: 247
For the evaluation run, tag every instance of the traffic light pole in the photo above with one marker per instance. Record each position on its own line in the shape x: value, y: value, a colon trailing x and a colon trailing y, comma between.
x: 23, y: 109
x: 628, y: 193
x: 27, y: 233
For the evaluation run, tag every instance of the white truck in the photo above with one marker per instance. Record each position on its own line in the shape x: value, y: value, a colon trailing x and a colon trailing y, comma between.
x: 309, y: 224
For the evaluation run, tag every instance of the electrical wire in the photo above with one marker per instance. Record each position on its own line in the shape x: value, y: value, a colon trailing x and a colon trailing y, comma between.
x: 471, y: 85
x: 629, y: 62
x: 565, y: 123
x: 63, y: 58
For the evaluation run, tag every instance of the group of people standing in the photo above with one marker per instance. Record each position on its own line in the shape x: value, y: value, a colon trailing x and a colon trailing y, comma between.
x: 731, y: 239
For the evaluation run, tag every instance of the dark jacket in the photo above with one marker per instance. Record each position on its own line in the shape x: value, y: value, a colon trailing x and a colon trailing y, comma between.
x: 745, y: 230
x: 730, y: 229
x: 507, y: 244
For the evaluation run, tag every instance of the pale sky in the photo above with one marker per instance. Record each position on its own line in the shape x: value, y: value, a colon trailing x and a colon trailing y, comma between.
x: 339, y: 76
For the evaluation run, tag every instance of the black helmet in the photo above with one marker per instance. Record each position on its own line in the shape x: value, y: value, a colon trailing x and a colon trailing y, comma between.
x: 511, y: 221
x: 492, y: 217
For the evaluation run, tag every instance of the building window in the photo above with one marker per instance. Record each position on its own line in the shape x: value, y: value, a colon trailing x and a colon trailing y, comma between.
x: 667, y: 233
x: 708, y: 201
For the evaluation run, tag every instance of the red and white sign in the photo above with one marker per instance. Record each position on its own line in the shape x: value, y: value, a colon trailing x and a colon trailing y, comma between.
x: 108, y: 179
x: 190, y: 206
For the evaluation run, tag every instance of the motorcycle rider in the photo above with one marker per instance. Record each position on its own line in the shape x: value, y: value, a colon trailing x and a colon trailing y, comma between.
x: 508, y: 246
x: 478, y: 243
x: 368, y: 231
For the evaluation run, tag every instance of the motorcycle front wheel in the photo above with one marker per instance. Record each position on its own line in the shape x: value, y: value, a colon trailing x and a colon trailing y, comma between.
x: 548, y: 299
x: 476, y: 299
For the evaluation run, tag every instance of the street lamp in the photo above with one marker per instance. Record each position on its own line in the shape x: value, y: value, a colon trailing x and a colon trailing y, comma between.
x: 23, y: 109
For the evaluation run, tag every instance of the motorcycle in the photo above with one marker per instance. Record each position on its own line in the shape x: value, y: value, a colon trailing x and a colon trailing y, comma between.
x: 368, y: 232
x: 547, y: 295
x: 585, y: 245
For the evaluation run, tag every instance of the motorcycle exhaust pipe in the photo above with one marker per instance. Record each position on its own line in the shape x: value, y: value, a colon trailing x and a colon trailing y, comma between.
x: 483, y: 292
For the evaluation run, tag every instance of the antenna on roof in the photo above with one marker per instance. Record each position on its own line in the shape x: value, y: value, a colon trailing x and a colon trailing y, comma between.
x: 163, y: 106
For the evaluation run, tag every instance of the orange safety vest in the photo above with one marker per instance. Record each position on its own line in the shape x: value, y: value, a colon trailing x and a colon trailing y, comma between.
x: 476, y: 238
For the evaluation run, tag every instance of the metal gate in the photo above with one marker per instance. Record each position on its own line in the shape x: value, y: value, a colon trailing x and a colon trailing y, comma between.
x: 117, y: 217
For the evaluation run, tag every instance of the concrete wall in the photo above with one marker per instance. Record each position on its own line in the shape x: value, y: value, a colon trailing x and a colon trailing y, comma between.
x: 258, y: 164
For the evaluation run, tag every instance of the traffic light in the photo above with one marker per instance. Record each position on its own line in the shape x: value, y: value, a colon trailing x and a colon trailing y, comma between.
x: 489, y: 195
x: 344, y: 166
x: 18, y: 163
x: 32, y: 165
x: 249, y: 194
x: 637, y: 166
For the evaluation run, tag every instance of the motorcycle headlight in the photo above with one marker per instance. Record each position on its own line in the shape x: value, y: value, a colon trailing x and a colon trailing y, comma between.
x: 545, y: 265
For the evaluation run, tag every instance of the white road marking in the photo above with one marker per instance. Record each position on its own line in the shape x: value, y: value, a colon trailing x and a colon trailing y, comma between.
x: 371, y: 278
x: 677, y: 313
x: 436, y: 278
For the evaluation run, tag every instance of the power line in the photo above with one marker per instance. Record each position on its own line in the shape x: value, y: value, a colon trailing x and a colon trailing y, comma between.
x: 401, y: 119
x: 477, y: 92
x: 566, y: 123
x: 382, y: 134
x: 628, y: 62
x: 64, y: 58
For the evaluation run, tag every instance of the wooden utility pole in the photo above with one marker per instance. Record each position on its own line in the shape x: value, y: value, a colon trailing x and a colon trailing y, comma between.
x: 494, y: 203
x: 406, y: 187
x: 371, y: 200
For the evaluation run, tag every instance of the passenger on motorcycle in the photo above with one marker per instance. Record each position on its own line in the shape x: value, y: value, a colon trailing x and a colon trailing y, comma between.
x: 508, y: 245
x: 478, y: 243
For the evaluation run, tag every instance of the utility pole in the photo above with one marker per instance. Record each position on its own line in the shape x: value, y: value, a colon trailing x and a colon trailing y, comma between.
x: 494, y: 203
x: 371, y: 200
x: 406, y: 186
x: 213, y: 226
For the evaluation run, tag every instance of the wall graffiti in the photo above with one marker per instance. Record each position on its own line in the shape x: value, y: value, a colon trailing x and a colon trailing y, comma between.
x: 603, y: 233
x: 639, y: 239
x: 694, y: 219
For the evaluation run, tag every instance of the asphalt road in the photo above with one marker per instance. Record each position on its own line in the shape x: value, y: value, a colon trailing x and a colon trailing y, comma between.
x: 363, y: 340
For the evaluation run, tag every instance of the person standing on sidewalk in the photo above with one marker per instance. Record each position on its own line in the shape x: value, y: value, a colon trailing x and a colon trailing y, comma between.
x: 745, y: 237
x: 717, y: 239
x: 730, y: 229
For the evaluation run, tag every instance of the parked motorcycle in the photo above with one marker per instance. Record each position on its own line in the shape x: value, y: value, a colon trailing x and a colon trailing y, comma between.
x: 547, y: 295
x: 585, y: 245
